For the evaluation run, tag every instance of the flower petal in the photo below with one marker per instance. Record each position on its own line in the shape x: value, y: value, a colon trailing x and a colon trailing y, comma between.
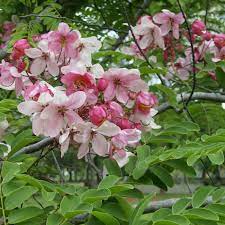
x: 83, y: 150
x: 100, y: 145
x: 29, y: 107
x: 38, y: 66
x: 108, y: 129
x: 33, y: 53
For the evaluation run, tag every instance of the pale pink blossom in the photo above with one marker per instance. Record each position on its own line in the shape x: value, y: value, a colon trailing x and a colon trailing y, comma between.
x: 88, y: 133
x: 42, y: 59
x: 120, y: 82
x: 169, y: 22
x: 62, y: 40
x: 10, y: 77
x: 148, y: 33
x: 85, y: 47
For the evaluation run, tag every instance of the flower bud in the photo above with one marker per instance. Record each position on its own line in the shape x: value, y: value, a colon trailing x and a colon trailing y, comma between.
x: 97, y: 115
x: 145, y: 101
x: 102, y: 84
x: 125, y: 124
x: 198, y: 27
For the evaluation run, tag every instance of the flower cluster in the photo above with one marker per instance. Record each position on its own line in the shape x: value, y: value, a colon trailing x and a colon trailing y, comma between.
x: 163, y: 31
x: 99, y: 112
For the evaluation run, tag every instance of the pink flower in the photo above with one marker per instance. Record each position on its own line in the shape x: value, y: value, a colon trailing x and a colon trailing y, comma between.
x: 76, y: 81
x: 33, y: 91
x: 52, y: 114
x: 97, y: 115
x: 19, y: 48
x: 145, y: 101
x: 63, y: 40
x: 219, y: 55
x: 126, y: 137
x: 219, y: 40
x: 120, y: 82
x: 198, y: 27
x: 42, y: 59
x: 61, y: 111
x: 10, y: 77
x: 169, y: 22
x: 87, y: 133
x: 148, y: 33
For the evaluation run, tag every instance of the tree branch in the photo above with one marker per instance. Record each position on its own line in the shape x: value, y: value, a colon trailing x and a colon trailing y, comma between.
x: 35, y: 147
x: 196, y: 96
x: 163, y: 107
x: 154, y: 206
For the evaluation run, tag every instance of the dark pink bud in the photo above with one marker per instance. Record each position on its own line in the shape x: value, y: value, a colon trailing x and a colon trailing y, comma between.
x: 125, y: 124
x: 198, y: 27
x: 97, y: 115
x: 102, y: 84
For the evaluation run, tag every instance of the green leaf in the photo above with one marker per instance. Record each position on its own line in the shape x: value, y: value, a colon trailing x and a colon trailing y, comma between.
x: 108, y: 182
x: 220, y: 75
x: 80, y: 209
x: 69, y: 204
x: 30, y: 180
x: 200, y: 196
x: 182, y: 166
x: 140, y: 209
x: 163, y: 175
x: 218, y: 194
x: 106, y: 218
x: 125, y: 206
x: 93, y: 195
x: 16, y: 198
x: 217, y: 208
x: 20, y: 215
x: 48, y: 196
x: 112, y: 167
x: 9, y: 170
x: 54, y: 219
x: 217, y: 158
x: 201, y: 213
x: 170, y: 94
x: 181, y: 205
x: 165, y: 222
x: 11, y: 186
x: 160, y: 214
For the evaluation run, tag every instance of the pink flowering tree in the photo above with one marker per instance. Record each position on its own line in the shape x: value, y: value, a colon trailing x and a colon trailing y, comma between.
x: 92, y: 111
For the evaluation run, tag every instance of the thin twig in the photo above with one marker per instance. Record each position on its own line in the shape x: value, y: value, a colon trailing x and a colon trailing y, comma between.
x: 58, y: 167
x: 206, y: 11
x: 192, y: 53
x: 2, y: 202
x: 96, y: 169
x: 136, y: 42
